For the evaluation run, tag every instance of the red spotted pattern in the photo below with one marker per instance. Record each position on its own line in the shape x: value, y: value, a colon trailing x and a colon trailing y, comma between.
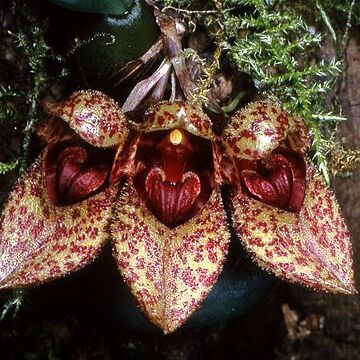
x: 311, y: 247
x: 40, y: 241
x: 170, y: 271
x: 169, y: 115
x: 97, y: 118
x: 255, y: 131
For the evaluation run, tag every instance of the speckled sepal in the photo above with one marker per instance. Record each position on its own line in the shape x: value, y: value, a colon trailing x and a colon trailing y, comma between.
x: 311, y: 247
x: 40, y: 241
x: 94, y: 116
x: 170, y: 271
x: 168, y: 115
x: 259, y: 128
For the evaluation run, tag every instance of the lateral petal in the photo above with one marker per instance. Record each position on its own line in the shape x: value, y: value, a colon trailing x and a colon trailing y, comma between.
x: 170, y: 271
x: 311, y: 247
x: 94, y: 116
x: 40, y: 241
x: 259, y: 128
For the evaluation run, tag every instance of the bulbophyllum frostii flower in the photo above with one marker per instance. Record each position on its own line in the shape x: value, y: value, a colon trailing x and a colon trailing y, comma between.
x: 153, y: 190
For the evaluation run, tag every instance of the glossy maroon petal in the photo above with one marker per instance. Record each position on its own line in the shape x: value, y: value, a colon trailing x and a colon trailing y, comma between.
x: 172, y: 201
x: 294, y: 164
x: 69, y: 165
x: 86, y: 183
x: 170, y: 271
x: 76, y: 173
x: 278, y: 180
x: 275, y: 191
x: 40, y: 241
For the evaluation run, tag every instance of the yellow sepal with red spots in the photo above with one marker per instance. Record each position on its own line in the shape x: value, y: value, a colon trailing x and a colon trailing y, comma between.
x: 169, y: 270
x: 311, y: 247
x: 40, y: 241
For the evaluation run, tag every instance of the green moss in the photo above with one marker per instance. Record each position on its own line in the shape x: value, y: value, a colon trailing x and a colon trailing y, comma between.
x: 277, y: 43
x: 27, y: 37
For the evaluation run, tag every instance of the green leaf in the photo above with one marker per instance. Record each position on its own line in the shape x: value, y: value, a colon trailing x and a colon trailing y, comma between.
x: 112, y: 7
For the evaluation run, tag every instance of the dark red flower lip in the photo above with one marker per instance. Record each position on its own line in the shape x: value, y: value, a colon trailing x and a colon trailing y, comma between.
x: 172, y: 180
x: 279, y: 180
x: 76, y: 171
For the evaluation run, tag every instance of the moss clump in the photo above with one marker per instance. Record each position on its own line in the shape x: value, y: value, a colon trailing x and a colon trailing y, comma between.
x: 277, y: 43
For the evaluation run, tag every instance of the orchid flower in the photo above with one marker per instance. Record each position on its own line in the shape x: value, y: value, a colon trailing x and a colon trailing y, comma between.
x: 154, y: 190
